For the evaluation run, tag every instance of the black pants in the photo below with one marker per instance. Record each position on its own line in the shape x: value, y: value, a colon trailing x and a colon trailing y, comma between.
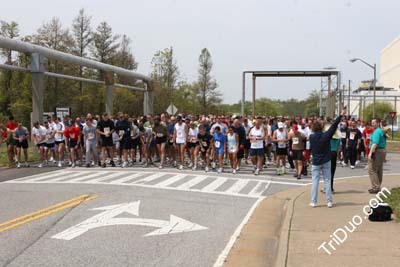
x: 345, y: 151
x: 352, y: 154
x: 333, y: 166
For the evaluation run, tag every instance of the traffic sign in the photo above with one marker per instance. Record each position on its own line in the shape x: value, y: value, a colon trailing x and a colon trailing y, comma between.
x: 172, y: 109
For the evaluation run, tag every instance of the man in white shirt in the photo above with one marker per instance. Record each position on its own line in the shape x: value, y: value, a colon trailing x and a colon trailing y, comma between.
x: 39, y: 137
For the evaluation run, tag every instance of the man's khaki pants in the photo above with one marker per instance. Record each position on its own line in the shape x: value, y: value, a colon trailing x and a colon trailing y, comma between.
x: 375, y: 168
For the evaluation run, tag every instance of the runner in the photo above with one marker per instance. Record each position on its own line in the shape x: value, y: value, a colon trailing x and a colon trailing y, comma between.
x: 11, y: 125
x: 105, y: 128
x: 123, y: 128
x: 353, y: 140
x: 135, y: 140
x: 241, y: 132
x: 361, y: 128
x: 345, y: 154
x: 305, y: 129
x: 280, y: 137
x: 233, y: 148
x: 59, y: 129
x: 296, y: 147
x: 147, y: 144
x: 257, y: 137
x: 247, y: 144
x: 180, y: 136
x: 73, y: 139
x: 219, y: 144
x: 205, y: 146
x: 39, y: 137
x: 171, y: 149
x: 89, y: 131
x: 193, y: 145
x: 367, y: 137
x: 161, y: 134
x: 21, y: 134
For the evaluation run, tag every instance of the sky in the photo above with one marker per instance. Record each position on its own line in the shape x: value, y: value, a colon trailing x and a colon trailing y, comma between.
x: 240, y: 35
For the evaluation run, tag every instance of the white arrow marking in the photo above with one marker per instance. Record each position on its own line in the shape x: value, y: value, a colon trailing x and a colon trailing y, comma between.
x: 107, y: 218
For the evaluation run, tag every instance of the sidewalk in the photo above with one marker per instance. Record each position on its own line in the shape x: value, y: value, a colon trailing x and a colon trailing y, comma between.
x: 285, y: 231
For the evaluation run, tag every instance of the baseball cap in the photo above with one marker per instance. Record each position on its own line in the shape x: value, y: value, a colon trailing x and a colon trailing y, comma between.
x: 281, y: 125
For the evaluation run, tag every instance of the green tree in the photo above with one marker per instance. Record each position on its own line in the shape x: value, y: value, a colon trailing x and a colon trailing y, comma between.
x: 83, y: 37
x: 9, y: 30
x: 165, y: 73
x: 382, y: 109
x: 207, y: 86
x: 105, y: 44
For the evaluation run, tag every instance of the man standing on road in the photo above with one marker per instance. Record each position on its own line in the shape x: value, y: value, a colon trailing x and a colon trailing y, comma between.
x: 89, y: 132
x: 376, y: 157
x: 321, y: 159
x: 353, y: 140
x: 105, y: 128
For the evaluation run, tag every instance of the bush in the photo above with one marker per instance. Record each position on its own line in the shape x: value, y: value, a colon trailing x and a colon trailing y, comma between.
x: 393, y: 200
x: 382, y: 109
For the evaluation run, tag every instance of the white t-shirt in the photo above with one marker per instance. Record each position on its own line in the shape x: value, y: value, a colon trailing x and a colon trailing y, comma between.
x: 258, y: 134
x: 180, y: 133
x: 59, y: 127
x: 192, y: 134
x: 306, y: 131
x: 39, y: 134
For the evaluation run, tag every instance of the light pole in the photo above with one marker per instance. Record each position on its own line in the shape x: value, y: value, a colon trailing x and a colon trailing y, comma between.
x: 374, y: 82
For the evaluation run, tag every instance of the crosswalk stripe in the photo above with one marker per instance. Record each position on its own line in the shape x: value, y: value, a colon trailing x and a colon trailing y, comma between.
x: 127, y: 178
x: 214, y: 185
x: 38, y: 177
x: 103, y: 177
x: 149, y: 178
x: 55, y: 178
x: 192, y: 182
x: 171, y: 180
x: 83, y: 177
x: 259, y: 189
x: 237, y: 187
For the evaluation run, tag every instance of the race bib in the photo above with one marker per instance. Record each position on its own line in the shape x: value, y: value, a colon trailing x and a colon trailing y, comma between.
x: 217, y: 144
x: 159, y: 135
x: 282, y: 145
x: 232, y: 149
x: 72, y: 136
x: 107, y: 130
x: 343, y: 135
x: 121, y: 132
x: 308, y: 145
x: 204, y: 144
x: 295, y: 141
x: 48, y: 136
x: 368, y: 136
x: 352, y: 135
x: 91, y: 136
x: 180, y: 134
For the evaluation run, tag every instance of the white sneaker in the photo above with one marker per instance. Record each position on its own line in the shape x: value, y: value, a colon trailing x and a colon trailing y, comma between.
x: 175, y: 164
x: 357, y: 162
x: 125, y: 164
x: 59, y: 164
x: 344, y: 164
x: 213, y: 165
x: 219, y: 170
x: 70, y: 164
x: 160, y: 166
x: 234, y: 171
x: 207, y: 169
x: 351, y: 167
x: 190, y: 165
x: 194, y: 168
x: 18, y: 165
x: 180, y: 167
x: 51, y: 159
x: 313, y: 205
x: 329, y: 205
x: 257, y: 172
x: 40, y: 165
x: 73, y: 165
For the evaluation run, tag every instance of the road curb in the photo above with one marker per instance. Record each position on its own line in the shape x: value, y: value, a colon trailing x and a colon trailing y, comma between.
x: 284, y: 233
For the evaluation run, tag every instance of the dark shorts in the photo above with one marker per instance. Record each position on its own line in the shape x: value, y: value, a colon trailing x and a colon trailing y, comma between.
x: 247, y: 144
x: 204, y: 153
x: 11, y: 141
x: 134, y: 143
x: 106, y: 142
x: 23, y: 144
x: 40, y: 145
x: 60, y: 142
x: 281, y: 151
x: 50, y: 146
x: 192, y: 145
x: 72, y: 143
x: 256, y: 152
x: 297, y: 155
x: 125, y: 144
x: 161, y: 140
x: 240, y: 153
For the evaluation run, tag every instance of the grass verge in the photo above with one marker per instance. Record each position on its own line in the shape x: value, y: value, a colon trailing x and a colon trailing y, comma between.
x: 33, y: 155
x: 393, y: 200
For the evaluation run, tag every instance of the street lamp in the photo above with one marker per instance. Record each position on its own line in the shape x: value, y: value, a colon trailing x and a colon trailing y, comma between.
x: 374, y: 82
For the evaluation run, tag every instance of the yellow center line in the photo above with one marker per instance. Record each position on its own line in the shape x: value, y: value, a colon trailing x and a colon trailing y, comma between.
x: 45, y: 212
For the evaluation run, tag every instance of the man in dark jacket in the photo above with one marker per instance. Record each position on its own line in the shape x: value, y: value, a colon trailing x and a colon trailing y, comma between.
x: 321, y: 158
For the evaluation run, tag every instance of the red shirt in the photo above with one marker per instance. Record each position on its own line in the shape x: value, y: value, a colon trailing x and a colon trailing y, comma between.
x: 367, y: 133
x: 12, y: 125
x: 72, y: 133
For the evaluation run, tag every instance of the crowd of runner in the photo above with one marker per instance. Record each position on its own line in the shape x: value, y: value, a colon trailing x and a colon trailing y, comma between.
x: 183, y: 141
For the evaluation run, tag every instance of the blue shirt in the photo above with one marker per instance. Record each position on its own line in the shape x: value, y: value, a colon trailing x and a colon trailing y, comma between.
x: 378, y: 138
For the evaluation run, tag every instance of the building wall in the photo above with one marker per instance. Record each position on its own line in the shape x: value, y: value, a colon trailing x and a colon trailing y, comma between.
x: 389, y: 75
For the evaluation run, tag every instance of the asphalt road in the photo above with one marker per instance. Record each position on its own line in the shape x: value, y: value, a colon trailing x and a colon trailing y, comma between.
x: 142, y: 217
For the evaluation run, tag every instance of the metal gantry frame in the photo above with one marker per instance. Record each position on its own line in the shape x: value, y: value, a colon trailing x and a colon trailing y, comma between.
x: 40, y: 54
x: 328, y: 74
